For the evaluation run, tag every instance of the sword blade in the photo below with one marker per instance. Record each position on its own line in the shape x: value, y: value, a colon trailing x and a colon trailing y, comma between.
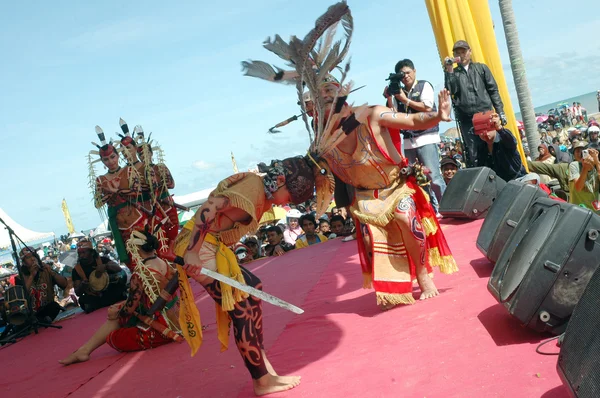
x: 254, y: 292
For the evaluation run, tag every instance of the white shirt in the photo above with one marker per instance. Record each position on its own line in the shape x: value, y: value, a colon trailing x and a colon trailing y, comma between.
x: 428, y: 99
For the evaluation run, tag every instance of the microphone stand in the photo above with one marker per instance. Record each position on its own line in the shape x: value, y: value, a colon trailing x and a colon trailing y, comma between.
x: 32, y: 322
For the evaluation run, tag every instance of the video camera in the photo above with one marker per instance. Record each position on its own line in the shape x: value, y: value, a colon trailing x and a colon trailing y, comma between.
x: 395, y: 79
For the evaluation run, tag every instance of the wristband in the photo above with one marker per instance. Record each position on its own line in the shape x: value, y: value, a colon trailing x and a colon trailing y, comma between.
x: 408, y: 103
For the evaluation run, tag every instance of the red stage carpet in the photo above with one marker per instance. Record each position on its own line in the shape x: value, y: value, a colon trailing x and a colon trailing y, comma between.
x: 460, y: 344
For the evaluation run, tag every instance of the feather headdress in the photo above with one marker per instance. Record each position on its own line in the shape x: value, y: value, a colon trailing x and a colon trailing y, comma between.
x: 313, y: 60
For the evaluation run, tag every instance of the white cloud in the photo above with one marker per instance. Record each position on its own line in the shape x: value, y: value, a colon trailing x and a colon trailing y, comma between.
x: 202, y: 165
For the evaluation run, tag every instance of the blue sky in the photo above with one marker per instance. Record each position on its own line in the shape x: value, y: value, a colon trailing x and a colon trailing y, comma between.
x: 174, y: 68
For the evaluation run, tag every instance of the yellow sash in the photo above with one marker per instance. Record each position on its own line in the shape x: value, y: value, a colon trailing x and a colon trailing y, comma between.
x: 189, y: 317
x: 226, y: 265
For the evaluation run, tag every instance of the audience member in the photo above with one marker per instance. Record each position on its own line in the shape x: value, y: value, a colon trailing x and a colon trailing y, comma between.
x: 449, y: 168
x: 293, y: 230
x: 277, y: 245
x: 310, y: 236
x: 324, y: 227
x: 583, y: 177
x: 337, y: 226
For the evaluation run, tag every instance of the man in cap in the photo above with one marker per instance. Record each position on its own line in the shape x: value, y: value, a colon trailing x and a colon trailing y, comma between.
x: 98, y: 281
x: 40, y: 280
x: 449, y: 167
x: 584, y: 182
x: 473, y: 89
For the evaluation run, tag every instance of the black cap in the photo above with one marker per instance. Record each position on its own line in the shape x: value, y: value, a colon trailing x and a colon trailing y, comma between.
x: 448, y: 160
x: 461, y: 44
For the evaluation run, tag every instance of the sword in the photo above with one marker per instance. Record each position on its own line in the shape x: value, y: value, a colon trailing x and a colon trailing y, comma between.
x: 252, y: 291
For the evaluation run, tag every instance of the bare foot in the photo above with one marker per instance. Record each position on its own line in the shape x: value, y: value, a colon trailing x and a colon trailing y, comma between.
x: 269, y: 384
x: 428, y: 289
x: 75, y: 357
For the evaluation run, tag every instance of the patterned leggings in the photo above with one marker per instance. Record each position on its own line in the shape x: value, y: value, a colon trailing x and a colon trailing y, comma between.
x: 247, y: 324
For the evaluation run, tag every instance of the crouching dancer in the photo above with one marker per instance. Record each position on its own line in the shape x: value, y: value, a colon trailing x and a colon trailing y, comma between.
x: 233, y: 209
x: 129, y: 326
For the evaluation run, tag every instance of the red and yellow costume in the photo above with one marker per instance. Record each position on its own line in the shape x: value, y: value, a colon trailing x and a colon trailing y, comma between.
x: 139, y: 331
x: 379, y: 189
x: 124, y: 209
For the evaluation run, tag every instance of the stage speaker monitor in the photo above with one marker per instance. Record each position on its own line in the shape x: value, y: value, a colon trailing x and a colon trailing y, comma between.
x: 546, y: 264
x: 504, y: 215
x: 579, y: 360
x: 471, y: 193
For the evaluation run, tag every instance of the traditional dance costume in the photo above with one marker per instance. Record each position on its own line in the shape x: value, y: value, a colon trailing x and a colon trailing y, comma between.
x: 248, y: 192
x: 381, y: 188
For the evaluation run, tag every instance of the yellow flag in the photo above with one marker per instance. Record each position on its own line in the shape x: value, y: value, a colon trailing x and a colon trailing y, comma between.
x: 189, y: 317
x: 67, y: 215
x: 235, y: 169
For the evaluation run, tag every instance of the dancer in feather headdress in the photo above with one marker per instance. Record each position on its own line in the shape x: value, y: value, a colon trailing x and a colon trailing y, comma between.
x: 155, y: 181
x: 400, y: 240
x: 118, y: 189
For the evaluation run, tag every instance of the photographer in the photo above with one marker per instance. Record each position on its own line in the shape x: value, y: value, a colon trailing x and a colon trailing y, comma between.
x: 416, y: 96
x: 473, y: 89
x: 39, y: 281
x: 584, y: 182
x: 98, y: 281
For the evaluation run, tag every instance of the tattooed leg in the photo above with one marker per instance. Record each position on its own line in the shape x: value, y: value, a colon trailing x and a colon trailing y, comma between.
x: 247, y: 328
x: 413, y: 236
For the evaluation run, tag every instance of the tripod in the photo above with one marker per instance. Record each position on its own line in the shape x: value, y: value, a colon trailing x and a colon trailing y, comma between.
x: 32, y: 322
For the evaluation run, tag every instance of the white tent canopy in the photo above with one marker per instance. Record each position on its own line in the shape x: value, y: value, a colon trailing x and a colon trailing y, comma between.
x: 194, y: 198
x: 27, y: 235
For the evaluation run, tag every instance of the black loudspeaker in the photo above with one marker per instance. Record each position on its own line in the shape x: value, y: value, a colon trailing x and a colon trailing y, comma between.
x: 546, y: 264
x: 471, y: 193
x: 504, y: 215
x: 579, y: 360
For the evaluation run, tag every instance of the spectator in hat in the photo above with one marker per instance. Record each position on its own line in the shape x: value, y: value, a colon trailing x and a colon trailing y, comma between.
x: 449, y: 167
x: 473, y: 89
x: 254, y: 247
x: 593, y: 132
x: 584, y: 183
x: 293, y: 226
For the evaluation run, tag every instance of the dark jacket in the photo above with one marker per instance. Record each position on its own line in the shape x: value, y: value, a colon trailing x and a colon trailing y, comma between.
x: 473, y: 91
x: 504, y: 159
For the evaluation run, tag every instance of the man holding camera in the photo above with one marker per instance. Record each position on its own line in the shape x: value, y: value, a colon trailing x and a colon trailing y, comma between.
x: 499, y: 151
x: 584, y: 180
x: 416, y: 96
x: 474, y: 90
x: 98, y: 281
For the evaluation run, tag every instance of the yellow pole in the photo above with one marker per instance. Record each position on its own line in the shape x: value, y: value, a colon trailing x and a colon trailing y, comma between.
x: 471, y: 20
